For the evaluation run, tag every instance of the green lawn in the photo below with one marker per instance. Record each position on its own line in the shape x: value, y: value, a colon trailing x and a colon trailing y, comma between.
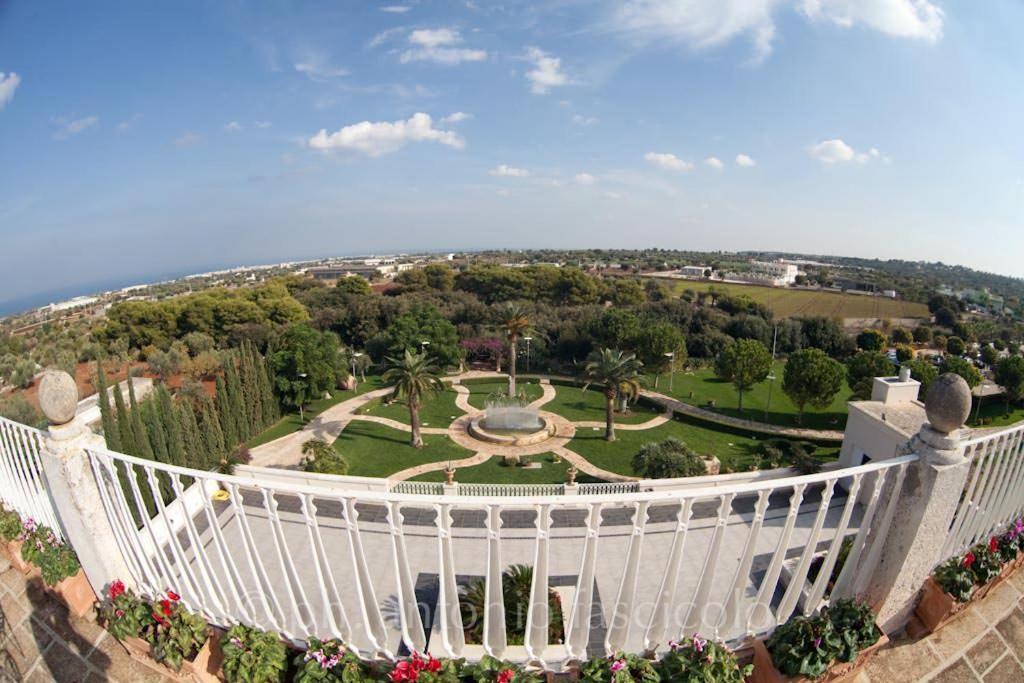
x: 495, y: 472
x: 733, y: 448
x: 290, y: 422
x: 437, y: 411
x: 993, y: 413
x: 574, y: 404
x: 700, y: 386
x: 375, y: 450
x: 479, y: 390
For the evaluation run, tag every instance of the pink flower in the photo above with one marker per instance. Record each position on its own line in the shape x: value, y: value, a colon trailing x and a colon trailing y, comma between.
x: 618, y: 665
x: 699, y: 643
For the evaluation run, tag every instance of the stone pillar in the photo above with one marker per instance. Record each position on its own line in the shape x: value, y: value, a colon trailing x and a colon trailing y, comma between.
x: 72, y: 486
x: 927, y: 505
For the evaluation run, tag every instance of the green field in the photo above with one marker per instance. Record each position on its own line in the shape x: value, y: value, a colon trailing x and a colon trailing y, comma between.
x: 290, y: 422
x: 437, y: 411
x: 375, y: 450
x: 698, y: 387
x: 787, y: 303
x: 577, y: 405
x: 494, y: 471
x: 734, y: 449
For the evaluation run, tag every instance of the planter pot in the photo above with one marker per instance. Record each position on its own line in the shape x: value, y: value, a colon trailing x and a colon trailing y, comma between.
x: 14, y: 553
x: 204, y: 668
x: 765, y: 671
x: 76, y: 592
x: 937, y: 608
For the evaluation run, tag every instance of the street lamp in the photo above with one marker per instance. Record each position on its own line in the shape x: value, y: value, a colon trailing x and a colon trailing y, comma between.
x: 302, y: 416
x: 527, y: 340
x: 424, y: 343
x: 671, y: 355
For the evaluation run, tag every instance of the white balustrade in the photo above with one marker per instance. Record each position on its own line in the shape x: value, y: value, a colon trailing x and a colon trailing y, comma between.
x: 22, y: 486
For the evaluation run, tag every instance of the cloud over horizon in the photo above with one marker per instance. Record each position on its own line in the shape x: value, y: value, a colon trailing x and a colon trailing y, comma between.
x: 375, y: 139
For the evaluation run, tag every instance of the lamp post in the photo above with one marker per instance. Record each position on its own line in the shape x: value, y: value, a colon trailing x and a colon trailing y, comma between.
x: 671, y: 370
x: 527, y: 340
x: 771, y: 375
x: 424, y: 343
x: 302, y: 416
x: 355, y: 355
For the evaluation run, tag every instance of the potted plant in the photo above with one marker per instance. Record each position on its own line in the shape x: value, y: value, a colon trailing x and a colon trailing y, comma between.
x: 11, y: 529
x: 619, y: 668
x: 424, y: 669
x: 699, y: 660
x: 58, y: 566
x: 832, y: 646
x: 253, y: 656
x: 492, y: 670
x: 182, y: 641
x: 126, y: 617
x: 331, y: 662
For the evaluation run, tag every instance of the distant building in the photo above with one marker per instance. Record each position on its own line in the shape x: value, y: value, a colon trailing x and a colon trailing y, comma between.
x: 70, y: 304
x: 774, y: 273
x: 693, y: 271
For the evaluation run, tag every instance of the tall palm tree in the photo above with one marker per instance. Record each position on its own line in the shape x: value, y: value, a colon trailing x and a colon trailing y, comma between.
x: 515, y: 323
x: 618, y: 372
x: 414, y: 378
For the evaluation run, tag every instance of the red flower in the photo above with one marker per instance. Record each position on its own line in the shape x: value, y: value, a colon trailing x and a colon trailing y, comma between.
x: 403, y: 671
x: 165, y: 605
x: 969, y: 559
x: 993, y: 544
x: 433, y: 665
x: 173, y: 596
x: 506, y: 676
x: 160, y: 620
x: 116, y: 590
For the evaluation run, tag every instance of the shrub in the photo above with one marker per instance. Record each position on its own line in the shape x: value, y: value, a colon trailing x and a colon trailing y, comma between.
x: 124, y: 614
x: 322, y: 458
x: 177, y: 635
x: 668, y: 459
x: 253, y: 656
x: 699, y: 660
x: 516, y: 583
x: 55, y: 559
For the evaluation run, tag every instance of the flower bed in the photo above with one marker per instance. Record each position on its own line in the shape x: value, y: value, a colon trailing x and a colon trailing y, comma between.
x: 831, y: 647
x: 964, y: 579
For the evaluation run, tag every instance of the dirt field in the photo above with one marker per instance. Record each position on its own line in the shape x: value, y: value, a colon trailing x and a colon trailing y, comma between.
x: 787, y: 303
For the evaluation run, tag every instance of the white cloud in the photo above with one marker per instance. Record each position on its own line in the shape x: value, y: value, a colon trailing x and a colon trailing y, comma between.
x: 836, y: 151
x: 438, y: 45
x: 70, y: 127
x: 395, y: 9
x: 375, y: 138
x: 262, y: 124
x: 455, y: 117
x: 613, y: 195
x: 129, y: 122
x: 317, y: 69
x: 188, y: 139
x: 503, y: 170
x: 233, y: 127
x: 667, y: 161
x: 744, y: 160
x: 385, y: 35
x: 581, y: 120
x: 546, y: 72
x: 585, y: 179
x: 8, y: 84
x: 900, y: 18
x: 714, y: 162
x: 707, y: 24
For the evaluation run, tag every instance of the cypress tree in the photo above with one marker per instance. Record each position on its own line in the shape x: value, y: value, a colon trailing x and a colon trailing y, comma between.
x: 271, y: 409
x: 155, y: 428
x: 239, y: 411
x: 196, y: 456
x: 210, y: 429
x: 143, y: 447
x: 251, y: 388
x: 172, y: 426
x: 227, y: 423
x: 124, y: 423
x: 110, y: 428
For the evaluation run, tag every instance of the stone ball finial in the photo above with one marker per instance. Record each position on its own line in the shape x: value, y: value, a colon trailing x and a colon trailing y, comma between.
x: 948, y: 403
x: 58, y: 397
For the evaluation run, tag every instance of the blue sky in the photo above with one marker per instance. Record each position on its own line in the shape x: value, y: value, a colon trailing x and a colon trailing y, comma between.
x: 143, y: 138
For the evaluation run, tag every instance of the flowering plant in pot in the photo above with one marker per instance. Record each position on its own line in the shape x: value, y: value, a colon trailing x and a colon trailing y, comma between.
x: 331, y: 662
x: 124, y: 614
x: 55, y: 559
x: 619, y: 668
x: 698, y: 660
x: 492, y: 670
x: 253, y: 655
x: 177, y: 635
x: 834, y: 644
x: 986, y: 565
x: 11, y: 529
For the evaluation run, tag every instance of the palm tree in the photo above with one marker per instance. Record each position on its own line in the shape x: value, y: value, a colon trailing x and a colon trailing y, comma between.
x: 619, y: 373
x: 515, y: 323
x: 414, y: 378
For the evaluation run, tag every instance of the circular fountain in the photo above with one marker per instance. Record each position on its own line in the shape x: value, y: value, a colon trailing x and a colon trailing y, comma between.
x: 510, y: 421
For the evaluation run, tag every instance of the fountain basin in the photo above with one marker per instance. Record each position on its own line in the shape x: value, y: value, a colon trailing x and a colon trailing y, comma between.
x: 510, y: 437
